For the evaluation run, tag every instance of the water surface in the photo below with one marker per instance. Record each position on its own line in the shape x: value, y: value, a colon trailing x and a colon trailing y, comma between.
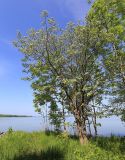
x: 109, y: 126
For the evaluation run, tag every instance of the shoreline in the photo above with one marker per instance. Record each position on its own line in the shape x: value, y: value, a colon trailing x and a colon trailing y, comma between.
x: 9, y: 115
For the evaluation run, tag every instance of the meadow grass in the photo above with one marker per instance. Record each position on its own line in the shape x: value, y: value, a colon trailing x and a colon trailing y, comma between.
x: 48, y: 146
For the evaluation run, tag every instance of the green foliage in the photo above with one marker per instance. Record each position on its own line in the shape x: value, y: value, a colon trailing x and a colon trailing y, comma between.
x: 64, y: 64
x: 37, y: 146
x: 55, y: 116
x: 108, y: 19
x: 123, y: 116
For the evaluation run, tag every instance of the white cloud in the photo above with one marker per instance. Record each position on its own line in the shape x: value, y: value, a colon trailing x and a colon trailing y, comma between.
x: 78, y: 8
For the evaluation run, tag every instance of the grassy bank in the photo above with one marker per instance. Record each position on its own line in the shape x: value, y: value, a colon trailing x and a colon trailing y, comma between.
x: 41, y: 146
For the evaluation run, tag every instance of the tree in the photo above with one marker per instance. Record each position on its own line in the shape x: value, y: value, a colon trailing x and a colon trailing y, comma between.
x: 55, y: 116
x: 108, y: 17
x: 64, y: 63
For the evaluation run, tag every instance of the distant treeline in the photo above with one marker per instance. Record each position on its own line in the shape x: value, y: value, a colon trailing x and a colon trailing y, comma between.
x: 9, y: 115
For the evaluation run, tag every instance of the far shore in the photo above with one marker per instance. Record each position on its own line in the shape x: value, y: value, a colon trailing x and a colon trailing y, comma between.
x: 10, y: 115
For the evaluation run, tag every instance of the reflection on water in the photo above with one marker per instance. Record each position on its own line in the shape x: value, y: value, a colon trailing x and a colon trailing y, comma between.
x: 109, y: 126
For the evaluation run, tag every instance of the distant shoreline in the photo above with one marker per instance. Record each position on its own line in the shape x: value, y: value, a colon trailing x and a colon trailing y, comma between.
x: 10, y: 115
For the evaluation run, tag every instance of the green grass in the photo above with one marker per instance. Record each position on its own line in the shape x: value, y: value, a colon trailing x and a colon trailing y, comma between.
x: 42, y: 146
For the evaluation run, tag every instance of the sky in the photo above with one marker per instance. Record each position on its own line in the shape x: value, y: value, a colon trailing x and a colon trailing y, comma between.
x: 16, y: 95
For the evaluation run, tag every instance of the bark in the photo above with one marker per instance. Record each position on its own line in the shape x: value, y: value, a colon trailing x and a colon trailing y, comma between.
x: 82, y: 133
x: 81, y: 127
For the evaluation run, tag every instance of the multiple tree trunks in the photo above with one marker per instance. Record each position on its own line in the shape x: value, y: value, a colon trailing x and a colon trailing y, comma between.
x: 81, y: 127
x: 82, y: 134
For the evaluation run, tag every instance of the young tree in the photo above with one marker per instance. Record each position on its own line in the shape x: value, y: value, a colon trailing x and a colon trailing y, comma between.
x: 55, y: 116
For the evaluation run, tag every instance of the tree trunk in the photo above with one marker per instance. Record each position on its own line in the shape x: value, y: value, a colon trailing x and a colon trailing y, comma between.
x: 95, y: 128
x: 64, y: 121
x: 94, y: 122
x: 89, y: 127
x: 81, y: 126
x: 82, y: 133
x: 63, y: 116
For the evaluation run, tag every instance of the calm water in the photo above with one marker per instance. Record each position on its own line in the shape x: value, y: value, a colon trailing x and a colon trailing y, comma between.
x: 109, y: 126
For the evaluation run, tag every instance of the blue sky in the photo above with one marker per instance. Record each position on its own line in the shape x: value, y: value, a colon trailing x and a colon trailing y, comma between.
x: 21, y: 15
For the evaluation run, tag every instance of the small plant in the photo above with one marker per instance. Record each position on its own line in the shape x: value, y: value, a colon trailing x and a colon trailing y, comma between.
x: 48, y: 132
x: 63, y: 139
x: 10, y: 130
x: 64, y: 135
